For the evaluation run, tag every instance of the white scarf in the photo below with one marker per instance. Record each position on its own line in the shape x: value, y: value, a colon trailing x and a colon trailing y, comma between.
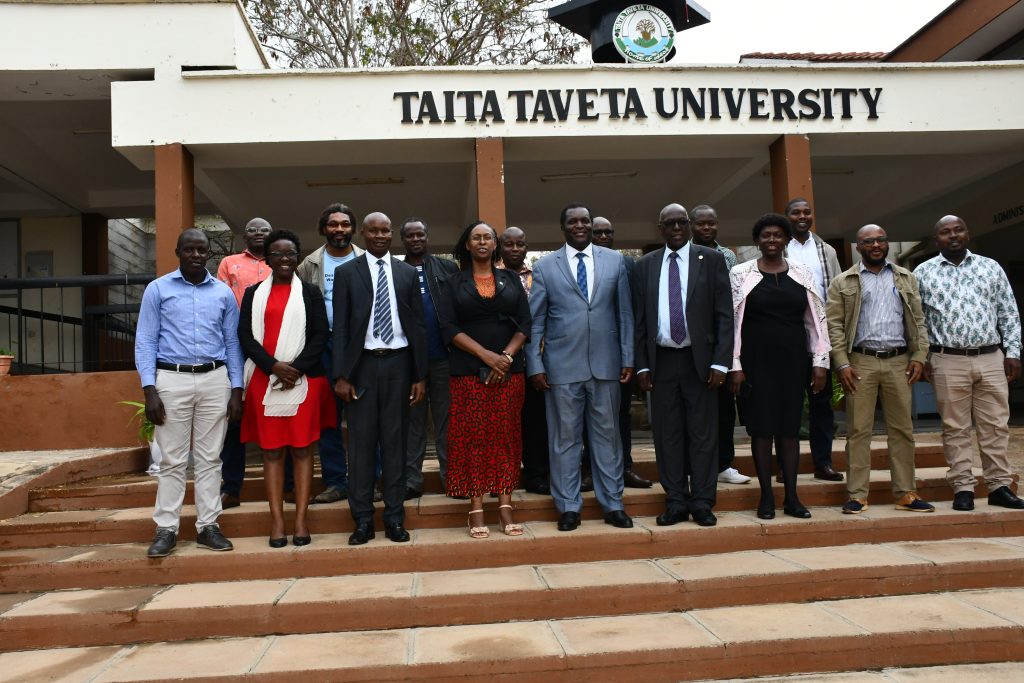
x: 278, y: 402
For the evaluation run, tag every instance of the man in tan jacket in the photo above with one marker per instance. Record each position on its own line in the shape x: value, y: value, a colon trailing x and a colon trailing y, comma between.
x: 879, y: 345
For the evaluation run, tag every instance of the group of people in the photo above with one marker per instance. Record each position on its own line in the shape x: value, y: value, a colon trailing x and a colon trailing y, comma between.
x: 527, y: 371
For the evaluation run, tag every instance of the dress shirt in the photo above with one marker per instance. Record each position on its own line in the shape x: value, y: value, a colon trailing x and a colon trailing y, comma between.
x: 400, y: 341
x: 969, y: 305
x: 180, y: 322
x: 807, y: 254
x: 664, y: 337
x: 588, y: 264
x: 239, y: 271
x: 880, y: 325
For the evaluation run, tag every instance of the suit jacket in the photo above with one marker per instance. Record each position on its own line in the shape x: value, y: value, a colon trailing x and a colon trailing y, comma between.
x: 489, y: 322
x: 353, y: 302
x: 843, y: 311
x: 581, y: 340
x: 310, y: 359
x: 709, y: 319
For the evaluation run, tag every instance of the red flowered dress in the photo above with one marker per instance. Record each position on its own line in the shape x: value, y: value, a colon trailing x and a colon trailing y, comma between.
x: 316, y: 412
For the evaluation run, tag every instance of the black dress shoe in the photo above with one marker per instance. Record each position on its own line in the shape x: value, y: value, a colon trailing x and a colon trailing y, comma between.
x: 568, y: 521
x: 635, y: 481
x: 163, y: 544
x: 1003, y: 497
x: 396, y: 533
x: 963, y: 501
x: 211, y: 538
x: 412, y: 493
x: 670, y: 517
x: 228, y: 501
x: 618, y: 518
x: 798, y: 511
x: 362, y: 534
x: 278, y: 542
x: 586, y: 483
x: 826, y: 473
x: 704, y: 518
x: 541, y: 488
x: 301, y: 540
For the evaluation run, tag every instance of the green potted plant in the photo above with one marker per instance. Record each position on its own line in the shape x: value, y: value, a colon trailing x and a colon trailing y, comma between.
x: 146, y: 431
x: 6, y: 358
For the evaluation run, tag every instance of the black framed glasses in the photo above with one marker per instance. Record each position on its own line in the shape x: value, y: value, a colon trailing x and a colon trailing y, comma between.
x: 673, y: 222
x: 284, y: 254
x: 254, y: 231
x: 871, y: 241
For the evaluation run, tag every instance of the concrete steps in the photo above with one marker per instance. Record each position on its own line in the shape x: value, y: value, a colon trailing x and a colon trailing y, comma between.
x: 140, y: 490
x: 110, y: 616
x: 89, y: 526
x: 858, y: 633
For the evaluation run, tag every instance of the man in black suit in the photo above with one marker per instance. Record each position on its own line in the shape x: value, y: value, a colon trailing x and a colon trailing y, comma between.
x: 380, y: 362
x: 684, y: 338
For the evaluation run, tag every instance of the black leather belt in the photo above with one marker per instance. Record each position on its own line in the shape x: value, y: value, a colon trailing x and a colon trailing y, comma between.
x: 891, y: 353
x: 980, y: 351
x: 386, y: 352
x: 192, y: 369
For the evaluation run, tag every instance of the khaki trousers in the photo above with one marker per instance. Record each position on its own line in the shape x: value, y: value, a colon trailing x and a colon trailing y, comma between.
x: 196, y: 407
x: 885, y: 377
x: 966, y: 387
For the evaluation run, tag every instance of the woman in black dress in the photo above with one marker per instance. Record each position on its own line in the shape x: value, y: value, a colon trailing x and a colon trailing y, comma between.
x: 781, y: 346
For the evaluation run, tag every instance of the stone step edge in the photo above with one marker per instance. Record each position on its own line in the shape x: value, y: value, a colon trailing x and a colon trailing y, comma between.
x: 839, y: 635
x: 133, y: 525
x: 464, y: 597
x: 965, y: 673
x: 444, y: 549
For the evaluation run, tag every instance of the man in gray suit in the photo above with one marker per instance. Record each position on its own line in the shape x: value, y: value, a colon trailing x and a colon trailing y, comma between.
x: 583, y: 321
x: 684, y: 340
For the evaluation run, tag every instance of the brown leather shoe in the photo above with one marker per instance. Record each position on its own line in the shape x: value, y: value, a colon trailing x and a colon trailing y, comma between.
x: 635, y: 481
x: 826, y: 473
x: 228, y: 501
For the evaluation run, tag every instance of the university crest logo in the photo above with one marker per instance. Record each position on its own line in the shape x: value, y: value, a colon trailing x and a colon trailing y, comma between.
x: 643, y: 33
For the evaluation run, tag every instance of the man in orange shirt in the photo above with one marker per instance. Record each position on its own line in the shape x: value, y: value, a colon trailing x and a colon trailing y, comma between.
x: 239, y: 271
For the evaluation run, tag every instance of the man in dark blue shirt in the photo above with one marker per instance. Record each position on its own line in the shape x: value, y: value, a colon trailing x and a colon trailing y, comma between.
x: 187, y: 333
x: 431, y: 270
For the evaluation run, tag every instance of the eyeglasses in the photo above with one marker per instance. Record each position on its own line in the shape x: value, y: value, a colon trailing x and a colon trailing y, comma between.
x: 673, y: 222
x: 603, y: 232
x: 871, y: 241
x: 284, y: 254
x: 253, y: 231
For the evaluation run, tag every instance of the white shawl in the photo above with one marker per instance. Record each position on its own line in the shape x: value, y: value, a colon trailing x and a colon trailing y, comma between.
x: 278, y: 402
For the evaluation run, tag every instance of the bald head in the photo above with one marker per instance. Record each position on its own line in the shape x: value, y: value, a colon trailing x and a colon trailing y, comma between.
x: 952, y: 237
x: 192, y: 234
x: 671, y: 209
x: 674, y: 224
x: 603, y: 232
x: 376, y: 230
x: 949, y: 220
x: 512, y: 247
x: 870, y: 228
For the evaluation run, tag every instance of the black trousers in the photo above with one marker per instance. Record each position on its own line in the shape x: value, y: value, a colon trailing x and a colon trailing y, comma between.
x: 381, y: 417
x: 726, y: 428
x: 685, y: 422
x: 821, y: 423
x: 536, y: 469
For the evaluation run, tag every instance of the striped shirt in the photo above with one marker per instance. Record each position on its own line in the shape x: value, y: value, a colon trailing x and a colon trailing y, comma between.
x: 880, y: 325
x: 969, y: 305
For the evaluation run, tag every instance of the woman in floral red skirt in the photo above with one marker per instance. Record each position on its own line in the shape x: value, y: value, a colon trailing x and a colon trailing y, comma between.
x: 484, y: 316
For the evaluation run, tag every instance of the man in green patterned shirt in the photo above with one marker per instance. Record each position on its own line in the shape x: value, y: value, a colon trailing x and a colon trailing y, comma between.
x: 974, y: 329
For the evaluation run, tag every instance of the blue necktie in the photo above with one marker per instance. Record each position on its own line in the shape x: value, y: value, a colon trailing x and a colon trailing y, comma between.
x: 676, y: 316
x: 581, y: 275
x: 382, y: 307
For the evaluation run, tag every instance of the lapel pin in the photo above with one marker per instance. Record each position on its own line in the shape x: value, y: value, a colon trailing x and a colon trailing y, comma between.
x: 700, y: 257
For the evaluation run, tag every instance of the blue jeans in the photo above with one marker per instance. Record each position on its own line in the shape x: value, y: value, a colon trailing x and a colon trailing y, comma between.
x: 333, y: 466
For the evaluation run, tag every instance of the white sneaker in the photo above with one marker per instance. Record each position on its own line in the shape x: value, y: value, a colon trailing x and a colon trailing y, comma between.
x: 731, y: 476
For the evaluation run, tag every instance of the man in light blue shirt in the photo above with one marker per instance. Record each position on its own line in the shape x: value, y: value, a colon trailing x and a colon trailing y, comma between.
x: 190, y: 364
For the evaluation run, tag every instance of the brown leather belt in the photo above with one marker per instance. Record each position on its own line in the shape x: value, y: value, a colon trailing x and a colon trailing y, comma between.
x: 891, y: 353
x: 980, y: 351
x: 191, y: 369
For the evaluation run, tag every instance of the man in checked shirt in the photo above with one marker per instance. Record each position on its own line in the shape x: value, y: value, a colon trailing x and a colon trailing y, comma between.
x: 974, y: 329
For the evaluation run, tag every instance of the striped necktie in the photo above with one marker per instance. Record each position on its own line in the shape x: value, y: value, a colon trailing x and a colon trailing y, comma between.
x: 581, y: 275
x: 382, y: 307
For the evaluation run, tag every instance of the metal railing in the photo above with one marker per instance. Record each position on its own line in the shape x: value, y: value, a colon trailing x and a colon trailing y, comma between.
x: 71, y: 324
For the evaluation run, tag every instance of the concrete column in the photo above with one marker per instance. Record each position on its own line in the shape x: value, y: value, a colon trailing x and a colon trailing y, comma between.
x: 790, y: 157
x: 175, y: 201
x: 490, y: 182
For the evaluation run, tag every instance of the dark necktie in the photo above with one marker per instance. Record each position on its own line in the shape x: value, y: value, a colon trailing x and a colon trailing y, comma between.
x: 676, y: 316
x: 382, y: 307
x: 581, y: 275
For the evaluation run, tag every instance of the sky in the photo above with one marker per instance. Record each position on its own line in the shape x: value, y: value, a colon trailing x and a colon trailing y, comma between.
x: 741, y: 26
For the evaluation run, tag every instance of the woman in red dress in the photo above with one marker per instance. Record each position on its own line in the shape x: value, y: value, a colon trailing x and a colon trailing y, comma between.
x: 484, y: 316
x: 283, y: 331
